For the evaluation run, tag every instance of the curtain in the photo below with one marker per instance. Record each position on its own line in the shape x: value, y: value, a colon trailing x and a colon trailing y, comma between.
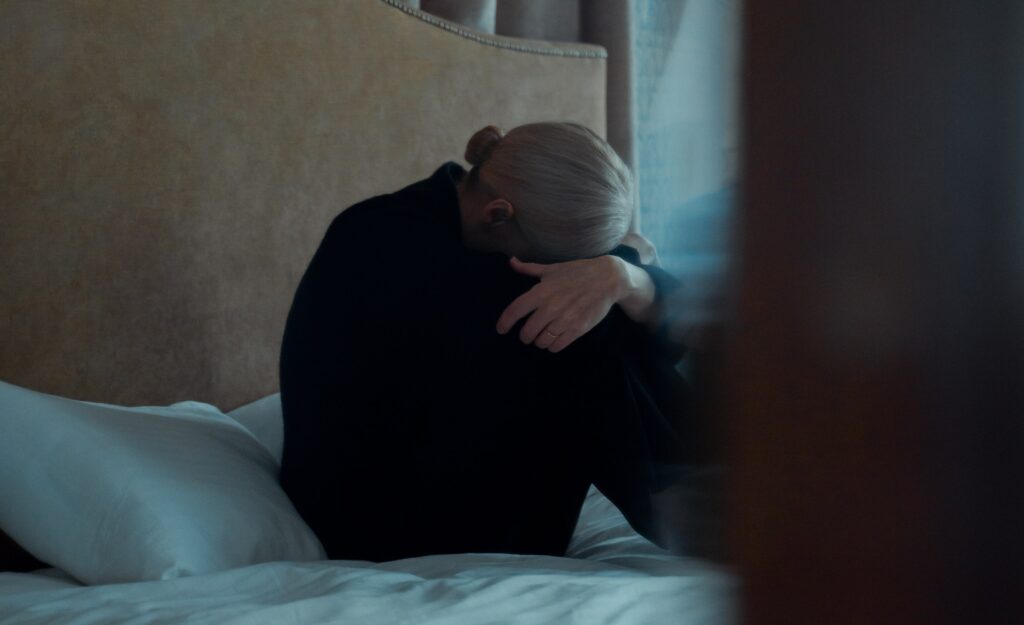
x: 602, y: 22
x: 686, y: 77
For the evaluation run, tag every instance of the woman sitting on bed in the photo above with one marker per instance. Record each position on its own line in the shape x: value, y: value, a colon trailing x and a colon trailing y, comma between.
x: 466, y: 356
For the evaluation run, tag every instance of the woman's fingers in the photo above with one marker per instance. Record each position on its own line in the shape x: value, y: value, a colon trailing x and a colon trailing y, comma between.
x: 549, y: 335
x: 537, y: 323
x: 574, y: 294
x: 564, y: 340
x: 536, y: 270
x: 643, y: 246
x: 545, y: 339
x: 540, y: 304
x: 519, y: 308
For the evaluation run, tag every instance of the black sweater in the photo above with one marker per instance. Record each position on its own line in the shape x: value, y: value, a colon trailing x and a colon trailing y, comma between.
x: 412, y: 427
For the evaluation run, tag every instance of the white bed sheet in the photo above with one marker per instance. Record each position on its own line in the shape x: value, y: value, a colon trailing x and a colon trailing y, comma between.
x: 613, y: 577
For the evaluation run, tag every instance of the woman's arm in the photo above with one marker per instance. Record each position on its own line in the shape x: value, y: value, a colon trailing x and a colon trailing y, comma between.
x: 573, y: 297
x: 637, y: 293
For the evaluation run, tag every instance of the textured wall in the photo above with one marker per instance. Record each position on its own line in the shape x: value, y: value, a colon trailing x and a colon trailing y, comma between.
x: 168, y: 168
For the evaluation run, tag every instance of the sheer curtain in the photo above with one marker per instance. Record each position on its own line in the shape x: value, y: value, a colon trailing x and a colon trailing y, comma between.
x: 686, y: 75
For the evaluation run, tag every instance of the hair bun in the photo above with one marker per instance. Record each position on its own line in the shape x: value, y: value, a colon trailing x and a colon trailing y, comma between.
x: 481, y: 144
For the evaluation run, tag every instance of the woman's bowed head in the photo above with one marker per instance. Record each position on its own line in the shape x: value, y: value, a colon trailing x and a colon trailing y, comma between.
x: 545, y: 192
x: 556, y: 198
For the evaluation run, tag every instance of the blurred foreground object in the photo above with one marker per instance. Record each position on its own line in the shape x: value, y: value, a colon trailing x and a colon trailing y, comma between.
x: 875, y: 371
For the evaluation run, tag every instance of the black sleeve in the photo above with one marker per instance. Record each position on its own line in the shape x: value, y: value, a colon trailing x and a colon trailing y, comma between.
x: 643, y: 416
x: 317, y: 365
x: 641, y: 435
x: 665, y: 285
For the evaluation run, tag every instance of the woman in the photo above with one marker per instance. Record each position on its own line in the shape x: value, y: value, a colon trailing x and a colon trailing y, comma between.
x: 416, y: 420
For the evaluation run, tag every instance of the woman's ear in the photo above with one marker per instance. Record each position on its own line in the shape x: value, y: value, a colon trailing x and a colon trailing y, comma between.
x: 498, y: 212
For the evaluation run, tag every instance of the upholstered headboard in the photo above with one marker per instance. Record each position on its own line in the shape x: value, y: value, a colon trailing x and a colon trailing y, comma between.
x: 167, y: 170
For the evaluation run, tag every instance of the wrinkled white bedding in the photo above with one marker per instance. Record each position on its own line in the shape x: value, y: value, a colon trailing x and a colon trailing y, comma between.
x: 613, y: 576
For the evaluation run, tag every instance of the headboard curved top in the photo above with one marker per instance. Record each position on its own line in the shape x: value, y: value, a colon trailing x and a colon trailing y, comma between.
x: 168, y: 169
x: 509, y: 43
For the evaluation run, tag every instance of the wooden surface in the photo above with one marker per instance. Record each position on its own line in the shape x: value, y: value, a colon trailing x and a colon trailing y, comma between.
x: 874, y: 374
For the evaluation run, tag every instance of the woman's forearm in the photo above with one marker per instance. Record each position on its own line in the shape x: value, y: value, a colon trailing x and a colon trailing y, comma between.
x: 637, y: 293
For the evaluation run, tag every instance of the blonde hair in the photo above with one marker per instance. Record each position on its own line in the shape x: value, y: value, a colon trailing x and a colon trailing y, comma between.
x: 572, y: 194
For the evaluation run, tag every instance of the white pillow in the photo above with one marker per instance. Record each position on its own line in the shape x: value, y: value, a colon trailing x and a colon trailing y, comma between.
x: 115, y: 494
x: 263, y: 419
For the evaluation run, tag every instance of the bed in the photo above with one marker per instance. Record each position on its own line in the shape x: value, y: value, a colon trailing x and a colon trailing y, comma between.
x: 615, y: 579
x: 166, y: 171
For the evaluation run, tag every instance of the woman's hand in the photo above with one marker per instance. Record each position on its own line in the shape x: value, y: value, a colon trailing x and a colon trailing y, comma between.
x: 643, y: 246
x: 571, y: 298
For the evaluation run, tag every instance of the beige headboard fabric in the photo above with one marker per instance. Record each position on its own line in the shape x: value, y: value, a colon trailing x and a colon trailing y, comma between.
x: 168, y: 168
